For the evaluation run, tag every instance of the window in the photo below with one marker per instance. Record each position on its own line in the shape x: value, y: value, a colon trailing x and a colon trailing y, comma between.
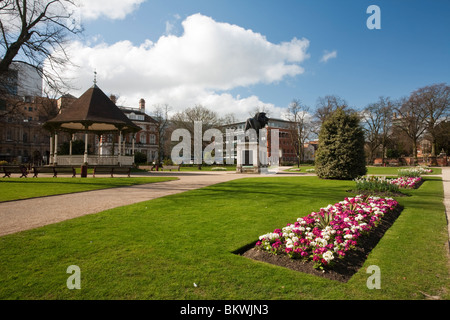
x: 152, y: 139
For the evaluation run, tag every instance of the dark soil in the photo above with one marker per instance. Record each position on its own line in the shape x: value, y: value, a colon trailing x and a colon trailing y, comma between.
x: 343, y: 269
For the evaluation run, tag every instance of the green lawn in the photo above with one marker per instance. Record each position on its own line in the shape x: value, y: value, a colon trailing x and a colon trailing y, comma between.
x: 17, y: 188
x: 158, y: 249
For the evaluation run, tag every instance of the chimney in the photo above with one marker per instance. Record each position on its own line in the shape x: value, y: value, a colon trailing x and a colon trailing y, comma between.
x: 142, y: 105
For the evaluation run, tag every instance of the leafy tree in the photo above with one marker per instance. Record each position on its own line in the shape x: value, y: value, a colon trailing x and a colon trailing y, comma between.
x: 341, y: 147
x: 140, y: 157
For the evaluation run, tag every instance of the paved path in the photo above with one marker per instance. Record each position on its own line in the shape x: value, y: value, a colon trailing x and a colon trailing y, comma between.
x: 27, y: 214
x: 446, y: 181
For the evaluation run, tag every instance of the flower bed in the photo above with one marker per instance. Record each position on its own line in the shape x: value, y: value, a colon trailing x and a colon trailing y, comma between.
x: 373, y: 183
x: 407, y: 182
x: 328, y: 234
x: 382, y: 184
x: 414, y: 172
x: 218, y: 169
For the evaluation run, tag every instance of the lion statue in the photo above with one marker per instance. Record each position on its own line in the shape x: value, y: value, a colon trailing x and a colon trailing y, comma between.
x: 259, y: 121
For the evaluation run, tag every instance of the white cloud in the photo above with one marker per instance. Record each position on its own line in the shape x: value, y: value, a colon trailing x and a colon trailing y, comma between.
x: 209, y: 57
x: 328, y: 55
x: 112, y: 9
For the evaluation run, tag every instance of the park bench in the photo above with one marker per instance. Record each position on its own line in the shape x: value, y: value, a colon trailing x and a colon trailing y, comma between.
x: 393, y: 163
x: 55, y: 170
x: 170, y: 168
x: 8, y: 170
x: 111, y: 170
x: 378, y: 162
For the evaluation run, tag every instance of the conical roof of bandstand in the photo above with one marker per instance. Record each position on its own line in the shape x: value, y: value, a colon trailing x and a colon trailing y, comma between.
x: 94, y: 112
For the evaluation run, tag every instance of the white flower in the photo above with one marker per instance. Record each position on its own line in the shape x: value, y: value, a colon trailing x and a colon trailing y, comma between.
x: 289, y: 244
x: 269, y: 236
x: 328, y: 255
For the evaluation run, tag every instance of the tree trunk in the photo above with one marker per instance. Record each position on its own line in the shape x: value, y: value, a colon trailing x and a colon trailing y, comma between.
x: 415, y: 151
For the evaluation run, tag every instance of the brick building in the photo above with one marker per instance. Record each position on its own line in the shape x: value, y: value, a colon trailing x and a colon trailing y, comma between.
x: 147, y: 139
x: 22, y: 138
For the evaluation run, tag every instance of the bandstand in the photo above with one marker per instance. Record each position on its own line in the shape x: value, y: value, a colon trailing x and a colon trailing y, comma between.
x: 92, y: 113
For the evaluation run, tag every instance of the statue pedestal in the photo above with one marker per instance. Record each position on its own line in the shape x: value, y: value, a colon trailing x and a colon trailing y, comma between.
x: 433, y: 161
x: 247, y: 157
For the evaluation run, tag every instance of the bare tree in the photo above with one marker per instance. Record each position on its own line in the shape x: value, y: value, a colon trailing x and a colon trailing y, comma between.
x: 32, y: 31
x: 325, y: 106
x: 229, y: 118
x: 186, y: 120
x: 434, y: 102
x: 257, y: 109
x: 377, y: 121
x: 161, y: 115
x: 300, y: 128
x: 410, y: 119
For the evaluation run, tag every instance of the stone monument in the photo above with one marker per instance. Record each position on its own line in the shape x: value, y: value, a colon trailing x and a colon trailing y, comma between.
x: 252, y: 147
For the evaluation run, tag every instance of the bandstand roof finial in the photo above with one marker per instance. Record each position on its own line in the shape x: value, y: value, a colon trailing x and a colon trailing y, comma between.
x: 95, y: 77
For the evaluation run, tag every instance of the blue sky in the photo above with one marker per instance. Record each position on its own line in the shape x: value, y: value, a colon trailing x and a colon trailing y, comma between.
x: 411, y: 50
